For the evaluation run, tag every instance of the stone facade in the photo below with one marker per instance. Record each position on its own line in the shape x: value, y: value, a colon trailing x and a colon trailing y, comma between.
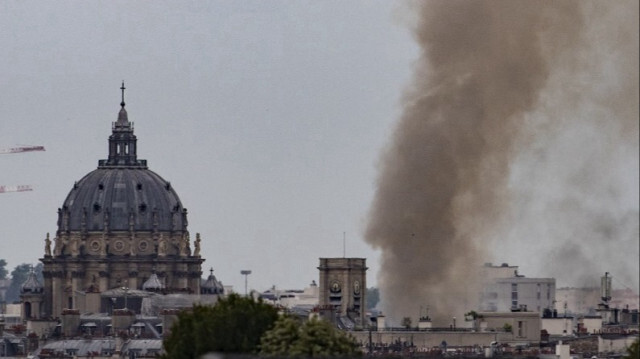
x: 343, y: 286
x: 120, y: 224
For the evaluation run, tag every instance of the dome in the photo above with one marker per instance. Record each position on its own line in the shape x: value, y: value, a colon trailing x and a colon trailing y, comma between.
x: 153, y: 283
x: 31, y: 285
x: 211, y: 285
x: 122, y: 194
x: 121, y: 199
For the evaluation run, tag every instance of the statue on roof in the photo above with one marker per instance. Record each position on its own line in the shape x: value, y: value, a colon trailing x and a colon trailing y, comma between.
x: 47, y: 246
x: 196, y: 245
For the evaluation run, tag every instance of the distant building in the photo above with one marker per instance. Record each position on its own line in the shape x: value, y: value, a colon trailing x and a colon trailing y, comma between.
x: 559, y: 326
x: 293, y: 298
x: 343, y: 283
x: 575, y: 301
x: 123, y: 228
x: 524, y: 326
x: 506, y: 290
x: 120, y: 267
x: 4, y: 286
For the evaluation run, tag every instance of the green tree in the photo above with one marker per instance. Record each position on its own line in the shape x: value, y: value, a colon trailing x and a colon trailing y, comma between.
x: 315, y: 338
x: 234, y: 325
x: 633, y: 352
x: 373, y: 297
x: 3, y: 269
x: 280, y: 339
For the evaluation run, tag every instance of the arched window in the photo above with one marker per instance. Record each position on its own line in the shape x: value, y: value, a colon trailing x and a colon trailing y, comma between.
x: 27, y: 310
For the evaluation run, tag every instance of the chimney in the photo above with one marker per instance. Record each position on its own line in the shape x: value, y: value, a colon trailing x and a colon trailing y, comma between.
x: 381, y: 322
x: 169, y: 317
x: 70, y: 322
x: 121, y: 320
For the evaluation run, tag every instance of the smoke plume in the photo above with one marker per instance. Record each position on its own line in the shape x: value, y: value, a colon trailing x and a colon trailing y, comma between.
x: 486, y: 90
x: 574, y: 213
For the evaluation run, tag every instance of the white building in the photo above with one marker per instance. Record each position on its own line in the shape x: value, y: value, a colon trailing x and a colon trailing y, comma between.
x: 615, y: 343
x: 290, y: 298
x: 563, y: 326
x: 505, y: 290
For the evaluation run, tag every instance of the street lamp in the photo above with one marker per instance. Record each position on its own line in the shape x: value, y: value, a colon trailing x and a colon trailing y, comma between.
x: 454, y: 323
x: 126, y: 290
x: 245, y: 273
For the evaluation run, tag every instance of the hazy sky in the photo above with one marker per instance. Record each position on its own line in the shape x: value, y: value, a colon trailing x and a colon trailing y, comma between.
x: 266, y: 116
x: 269, y: 119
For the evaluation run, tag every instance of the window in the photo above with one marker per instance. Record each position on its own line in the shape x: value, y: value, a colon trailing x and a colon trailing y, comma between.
x: 522, y: 329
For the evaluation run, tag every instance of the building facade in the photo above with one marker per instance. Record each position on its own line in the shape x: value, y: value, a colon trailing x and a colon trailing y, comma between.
x: 505, y: 290
x: 119, y: 225
x: 343, y: 284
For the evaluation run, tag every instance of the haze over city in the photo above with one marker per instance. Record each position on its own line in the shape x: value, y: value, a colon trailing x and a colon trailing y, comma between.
x: 275, y: 121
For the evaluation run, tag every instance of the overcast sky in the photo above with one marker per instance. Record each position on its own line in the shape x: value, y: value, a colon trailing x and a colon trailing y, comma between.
x: 267, y: 117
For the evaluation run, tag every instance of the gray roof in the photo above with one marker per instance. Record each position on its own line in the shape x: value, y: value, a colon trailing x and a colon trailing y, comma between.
x: 101, y: 346
x: 153, y: 283
x: 80, y: 347
x: 31, y: 285
x: 122, y: 194
x: 211, y: 285
x: 129, y: 292
x: 116, y: 196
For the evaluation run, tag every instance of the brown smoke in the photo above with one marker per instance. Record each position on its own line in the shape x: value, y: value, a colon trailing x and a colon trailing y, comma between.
x: 442, y: 188
x: 575, y: 184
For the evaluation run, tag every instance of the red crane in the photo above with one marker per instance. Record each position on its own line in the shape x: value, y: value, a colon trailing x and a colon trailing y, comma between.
x: 18, y: 149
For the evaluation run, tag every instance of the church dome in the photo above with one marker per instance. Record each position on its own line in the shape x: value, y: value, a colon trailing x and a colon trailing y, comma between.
x: 122, y: 194
x: 122, y: 199
x: 211, y: 285
x: 31, y: 285
x: 153, y: 283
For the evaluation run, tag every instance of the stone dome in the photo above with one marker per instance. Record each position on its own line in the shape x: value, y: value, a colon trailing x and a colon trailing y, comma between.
x: 211, y: 285
x: 122, y: 199
x: 122, y: 194
x: 31, y: 285
x: 153, y: 283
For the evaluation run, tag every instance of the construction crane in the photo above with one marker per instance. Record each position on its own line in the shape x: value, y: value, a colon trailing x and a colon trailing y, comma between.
x: 19, y: 188
x: 18, y: 149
